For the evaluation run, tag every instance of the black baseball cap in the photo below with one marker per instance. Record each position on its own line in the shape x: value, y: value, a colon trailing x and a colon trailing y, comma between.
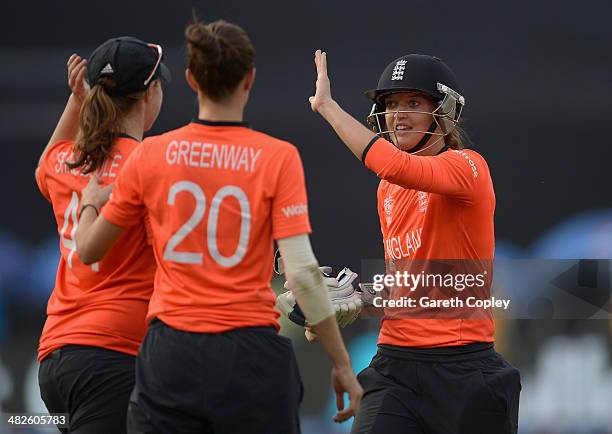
x: 130, y: 62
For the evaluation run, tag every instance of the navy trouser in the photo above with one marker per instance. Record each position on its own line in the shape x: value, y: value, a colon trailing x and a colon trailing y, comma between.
x: 242, y: 381
x: 458, y: 390
x: 91, y: 384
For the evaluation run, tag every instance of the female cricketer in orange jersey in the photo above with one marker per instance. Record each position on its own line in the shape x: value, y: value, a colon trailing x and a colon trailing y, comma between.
x: 434, y: 375
x: 96, y: 314
x: 217, y: 194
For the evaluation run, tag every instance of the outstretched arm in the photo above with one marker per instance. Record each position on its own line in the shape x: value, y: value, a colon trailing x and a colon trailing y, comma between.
x: 352, y: 132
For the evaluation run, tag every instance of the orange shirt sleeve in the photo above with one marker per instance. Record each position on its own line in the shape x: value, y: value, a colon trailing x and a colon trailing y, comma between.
x: 126, y: 207
x: 148, y: 229
x: 290, y: 202
x: 43, y: 169
x: 41, y: 181
x: 452, y: 173
x: 380, y: 202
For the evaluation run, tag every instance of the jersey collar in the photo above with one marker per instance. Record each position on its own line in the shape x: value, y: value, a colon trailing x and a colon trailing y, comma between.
x: 127, y: 136
x: 220, y: 123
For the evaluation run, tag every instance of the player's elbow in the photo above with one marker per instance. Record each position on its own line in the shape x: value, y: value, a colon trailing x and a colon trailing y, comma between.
x: 87, y: 254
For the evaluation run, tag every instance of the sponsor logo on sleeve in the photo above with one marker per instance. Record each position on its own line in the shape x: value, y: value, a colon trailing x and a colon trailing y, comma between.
x: 295, y: 210
x: 470, y: 161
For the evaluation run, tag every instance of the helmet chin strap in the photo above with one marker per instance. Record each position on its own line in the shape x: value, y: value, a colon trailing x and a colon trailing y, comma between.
x: 434, y: 143
x: 425, y: 138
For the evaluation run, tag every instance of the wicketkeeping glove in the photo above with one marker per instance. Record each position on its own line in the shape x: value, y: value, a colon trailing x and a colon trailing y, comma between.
x: 343, y: 294
x: 346, y: 297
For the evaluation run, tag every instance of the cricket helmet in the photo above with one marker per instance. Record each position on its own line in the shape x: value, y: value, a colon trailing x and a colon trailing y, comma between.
x: 425, y: 74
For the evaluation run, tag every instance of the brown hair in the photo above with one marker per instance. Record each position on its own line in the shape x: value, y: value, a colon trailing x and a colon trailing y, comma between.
x: 99, y: 125
x: 457, y: 138
x: 219, y: 54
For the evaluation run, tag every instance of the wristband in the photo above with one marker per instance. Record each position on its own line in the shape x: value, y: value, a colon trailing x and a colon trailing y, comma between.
x: 87, y: 205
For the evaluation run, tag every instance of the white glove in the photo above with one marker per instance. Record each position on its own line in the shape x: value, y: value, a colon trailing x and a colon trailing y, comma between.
x: 368, y: 294
x: 343, y: 294
x: 288, y: 306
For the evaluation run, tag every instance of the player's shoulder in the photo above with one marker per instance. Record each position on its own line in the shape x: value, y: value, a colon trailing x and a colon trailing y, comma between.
x: 149, y: 145
x: 470, y: 161
x: 274, y: 152
x: 63, y: 144
x: 165, y: 137
x: 55, y: 157
x: 60, y: 146
x: 467, y: 156
x: 184, y: 132
x: 465, y: 153
x: 124, y: 145
x: 273, y: 143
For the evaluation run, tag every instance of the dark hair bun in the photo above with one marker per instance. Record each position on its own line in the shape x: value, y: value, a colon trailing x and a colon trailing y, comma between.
x: 219, y: 55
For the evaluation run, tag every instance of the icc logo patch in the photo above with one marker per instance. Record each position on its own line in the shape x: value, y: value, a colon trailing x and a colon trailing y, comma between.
x: 423, y: 201
x: 388, y: 206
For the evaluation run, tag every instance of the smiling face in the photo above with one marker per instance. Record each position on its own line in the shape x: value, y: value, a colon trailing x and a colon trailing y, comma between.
x: 407, y: 125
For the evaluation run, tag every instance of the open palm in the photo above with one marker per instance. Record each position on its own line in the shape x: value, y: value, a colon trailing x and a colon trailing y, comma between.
x: 323, y: 91
x: 77, y: 68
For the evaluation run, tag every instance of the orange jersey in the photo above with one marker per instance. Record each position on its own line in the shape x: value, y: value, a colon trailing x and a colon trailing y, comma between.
x: 217, y: 194
x: 434, y: 207
x: 103, y: 304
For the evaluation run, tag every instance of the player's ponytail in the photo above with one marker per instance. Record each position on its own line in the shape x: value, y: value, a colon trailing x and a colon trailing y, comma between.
x: 219, y: 54
x: 99, y: 126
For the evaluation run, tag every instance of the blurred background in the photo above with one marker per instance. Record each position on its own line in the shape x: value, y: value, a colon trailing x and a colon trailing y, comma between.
x: 537, y: 79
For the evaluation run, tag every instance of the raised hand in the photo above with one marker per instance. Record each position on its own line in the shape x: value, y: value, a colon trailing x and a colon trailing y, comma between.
x: 77, y: 68
x: 323, y: 92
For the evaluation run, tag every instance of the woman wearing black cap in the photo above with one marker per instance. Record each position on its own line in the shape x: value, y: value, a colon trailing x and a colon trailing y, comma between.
x: 436, y: 370
x: 96, y: 313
